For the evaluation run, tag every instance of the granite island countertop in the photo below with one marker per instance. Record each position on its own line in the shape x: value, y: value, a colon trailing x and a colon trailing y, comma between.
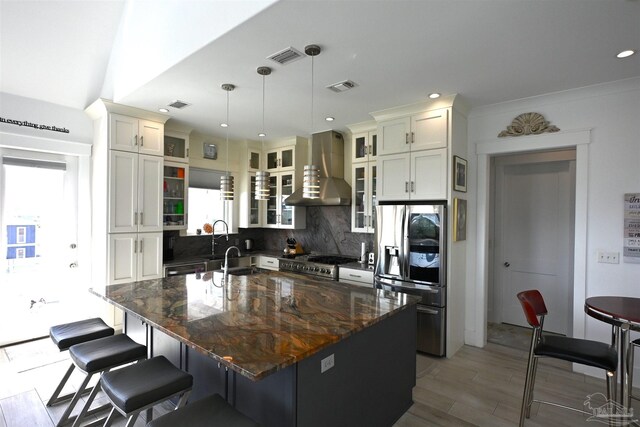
x: 255, y: 324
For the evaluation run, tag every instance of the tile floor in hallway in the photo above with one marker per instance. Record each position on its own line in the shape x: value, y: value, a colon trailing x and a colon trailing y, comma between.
x: 477, y: 387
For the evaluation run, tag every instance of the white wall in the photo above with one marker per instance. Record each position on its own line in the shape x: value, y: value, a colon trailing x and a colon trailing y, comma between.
x: 611, y: 111
x: 43, y: 113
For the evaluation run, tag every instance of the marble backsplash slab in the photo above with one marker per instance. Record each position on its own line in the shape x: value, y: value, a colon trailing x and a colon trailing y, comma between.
x: 328, y: 231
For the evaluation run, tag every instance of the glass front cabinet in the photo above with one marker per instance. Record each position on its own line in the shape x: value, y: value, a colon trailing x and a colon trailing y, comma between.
x: 176, y: 146
x: 363, y: 193
x: 281, y: 159
x: 175, y: 190
x: 277, y: 213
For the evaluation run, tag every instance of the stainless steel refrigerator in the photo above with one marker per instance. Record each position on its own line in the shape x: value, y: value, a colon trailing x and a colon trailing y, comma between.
x: 411, y: 258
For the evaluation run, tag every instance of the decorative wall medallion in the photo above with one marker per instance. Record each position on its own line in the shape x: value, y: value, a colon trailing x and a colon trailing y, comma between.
x: 528, y: 124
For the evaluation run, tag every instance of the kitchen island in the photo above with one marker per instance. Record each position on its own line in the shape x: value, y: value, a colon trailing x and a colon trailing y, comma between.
x: 285, y: 349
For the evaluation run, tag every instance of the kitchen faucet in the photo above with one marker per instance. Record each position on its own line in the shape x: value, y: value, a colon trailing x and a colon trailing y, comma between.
x: 225, y: 267
x: 213, y: 234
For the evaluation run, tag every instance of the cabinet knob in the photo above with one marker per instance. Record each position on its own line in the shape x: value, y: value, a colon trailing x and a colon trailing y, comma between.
x: 406, y: 186
x: 506, y: 264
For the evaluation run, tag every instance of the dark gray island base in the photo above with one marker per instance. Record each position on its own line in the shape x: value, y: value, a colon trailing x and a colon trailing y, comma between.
x: 369, y: 384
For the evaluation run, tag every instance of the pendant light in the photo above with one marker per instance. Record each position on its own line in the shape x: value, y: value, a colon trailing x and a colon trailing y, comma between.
x: 226, y: 181
x: 262, y: 176
x: 311, y: 180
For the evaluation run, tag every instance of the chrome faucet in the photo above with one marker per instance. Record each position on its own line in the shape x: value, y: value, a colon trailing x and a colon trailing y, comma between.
x: 213, y: 234
x: 225, y: 267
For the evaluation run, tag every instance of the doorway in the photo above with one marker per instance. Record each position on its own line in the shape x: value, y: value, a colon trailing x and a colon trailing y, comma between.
x: 532, y: 222
x: 39, y: 274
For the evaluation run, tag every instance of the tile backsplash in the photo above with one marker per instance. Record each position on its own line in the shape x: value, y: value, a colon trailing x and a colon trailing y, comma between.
x: 328, y: 231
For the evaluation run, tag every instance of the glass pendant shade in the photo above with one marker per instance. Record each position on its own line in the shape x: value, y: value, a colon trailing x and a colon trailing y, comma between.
x: 311, y: 182
x: 226, y: 187
x: 262, y: 185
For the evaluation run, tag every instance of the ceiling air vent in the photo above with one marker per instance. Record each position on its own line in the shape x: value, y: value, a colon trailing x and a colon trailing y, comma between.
x: 342, y: 86
x: 286, y: 56
x: 178, y: 104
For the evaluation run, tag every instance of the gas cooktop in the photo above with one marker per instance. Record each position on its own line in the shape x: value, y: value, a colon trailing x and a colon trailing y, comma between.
x: 325, y: 266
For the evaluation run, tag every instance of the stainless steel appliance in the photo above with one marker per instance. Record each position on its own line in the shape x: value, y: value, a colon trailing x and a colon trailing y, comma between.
x: 411, y: 257
x: 323, y: 266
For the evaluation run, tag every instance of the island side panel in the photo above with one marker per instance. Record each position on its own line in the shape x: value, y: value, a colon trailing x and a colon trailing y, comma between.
x: 371, y: 381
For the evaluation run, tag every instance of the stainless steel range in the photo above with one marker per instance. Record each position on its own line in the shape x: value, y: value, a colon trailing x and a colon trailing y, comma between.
x: 325, y: 266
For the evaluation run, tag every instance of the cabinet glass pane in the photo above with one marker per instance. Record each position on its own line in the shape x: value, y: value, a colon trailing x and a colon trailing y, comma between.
x: 174, y: 147
x: 287, y: 189
x: 272, y: 160
x: 272, y: 203
x: 373, y: 196
x: 253, y: 203
x: 358, y: 202
x: 287, y: 158
x: 374, y: 145
x: 173, y: 195
x: 361, y: 147
x: 254, y: 160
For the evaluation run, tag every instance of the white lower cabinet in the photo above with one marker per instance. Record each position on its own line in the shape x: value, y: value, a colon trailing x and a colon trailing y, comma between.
x: 134, y: 257
x: 355, y: 276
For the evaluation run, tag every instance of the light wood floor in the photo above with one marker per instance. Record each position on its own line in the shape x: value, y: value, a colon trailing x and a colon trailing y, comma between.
x: 477, y: 387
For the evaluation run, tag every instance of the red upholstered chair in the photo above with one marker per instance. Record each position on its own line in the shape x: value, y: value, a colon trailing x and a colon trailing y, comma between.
x: 585, y: 352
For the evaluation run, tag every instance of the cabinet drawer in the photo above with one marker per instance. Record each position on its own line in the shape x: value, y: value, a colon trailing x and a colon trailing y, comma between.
x: 349, y: 275
x: 270, y: 263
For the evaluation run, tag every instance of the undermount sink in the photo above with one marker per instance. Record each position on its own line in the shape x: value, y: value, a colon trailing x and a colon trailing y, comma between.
x: 217, y: 264
x: 246, y: 271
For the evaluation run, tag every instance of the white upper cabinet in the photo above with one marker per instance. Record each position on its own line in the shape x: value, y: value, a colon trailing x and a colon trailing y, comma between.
x: 281, y: 159
x: 364, y: 147
x: 176, y: 146
x: 136, y: 135
x: 393, y: 136
x: 429, y: 130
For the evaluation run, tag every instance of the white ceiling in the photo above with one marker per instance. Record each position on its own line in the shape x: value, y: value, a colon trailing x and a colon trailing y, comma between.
x: 488, y: 51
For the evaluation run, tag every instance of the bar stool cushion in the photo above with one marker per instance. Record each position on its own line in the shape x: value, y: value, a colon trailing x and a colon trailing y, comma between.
x: 210, y: 411
x: 68, y: 334
x: 586, y: 352
x: 97, y: 355
x: 149, y: 381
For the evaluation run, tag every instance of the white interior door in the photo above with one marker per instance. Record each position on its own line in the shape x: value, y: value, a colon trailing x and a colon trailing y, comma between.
x: 534, y: 235
x: 39, y: 272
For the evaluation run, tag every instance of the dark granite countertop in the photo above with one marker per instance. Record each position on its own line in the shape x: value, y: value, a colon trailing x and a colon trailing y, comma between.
x: 255, y: 324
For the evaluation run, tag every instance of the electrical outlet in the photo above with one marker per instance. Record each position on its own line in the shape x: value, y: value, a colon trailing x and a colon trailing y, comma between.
x: 327, y: 363
x: 609, y: 257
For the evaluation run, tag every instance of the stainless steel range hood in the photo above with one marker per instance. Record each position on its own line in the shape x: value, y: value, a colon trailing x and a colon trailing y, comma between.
x: 327, y: 152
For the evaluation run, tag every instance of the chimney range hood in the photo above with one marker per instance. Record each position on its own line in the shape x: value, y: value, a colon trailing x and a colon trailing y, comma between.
x: 327, y: 152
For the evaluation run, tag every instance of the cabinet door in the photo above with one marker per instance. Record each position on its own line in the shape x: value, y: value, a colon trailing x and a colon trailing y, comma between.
x: 151, y: 138
x: 393, y: 183
x: 123, y: 191
x: 273, y: 160
x: 149, y: 256
x: 286, y: 186
x: 373, y: 146
x: 359, y: 198
x: 429, y: 130
x: 123, y: 133
x: 372, y: 201
x: 176, y: 146
x: 393, y: 136
x: 150, y: 184
x: 254, y: 205
x: 253, y: 160
x: 429, y: 174
x: 360, y: 147
x: 122, y: 258
x: 271, y: 212
x: 287, y: 158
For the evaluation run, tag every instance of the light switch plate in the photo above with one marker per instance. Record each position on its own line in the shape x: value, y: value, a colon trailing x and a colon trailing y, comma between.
x: 609, y: 257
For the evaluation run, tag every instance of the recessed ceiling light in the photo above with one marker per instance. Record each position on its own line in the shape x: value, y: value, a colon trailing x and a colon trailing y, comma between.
x: 262, y: 134
x: 434, y: 95
x: 625, y: 53
x: 329, y: 119
x: 224, y: 125
x: 163, y: 110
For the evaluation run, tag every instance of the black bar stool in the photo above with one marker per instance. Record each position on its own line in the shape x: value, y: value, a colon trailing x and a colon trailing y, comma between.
x: 96, y: 357
x: 210, y: 411
x: 634, y: 344
x: 68, y: 334
x: 135, y: 388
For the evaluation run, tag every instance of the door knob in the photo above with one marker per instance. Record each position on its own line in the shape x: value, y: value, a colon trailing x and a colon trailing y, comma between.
x: 506, y: 264
x: 73, y: 265
x: 72, y: 246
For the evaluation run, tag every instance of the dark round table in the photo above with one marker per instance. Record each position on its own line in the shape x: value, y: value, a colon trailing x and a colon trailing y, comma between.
x: 623, y: 313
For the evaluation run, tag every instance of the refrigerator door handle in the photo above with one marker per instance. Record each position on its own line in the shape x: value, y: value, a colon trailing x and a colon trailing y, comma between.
x: 404, y: 256
x: 423, y: 309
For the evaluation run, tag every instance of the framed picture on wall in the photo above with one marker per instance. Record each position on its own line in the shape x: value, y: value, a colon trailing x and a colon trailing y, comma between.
x: 459, y: 219
x: 459, y: 174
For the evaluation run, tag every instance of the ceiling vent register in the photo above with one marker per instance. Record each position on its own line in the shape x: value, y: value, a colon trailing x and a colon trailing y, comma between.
x: 342, y: 86
x: 178, y: 104
x: 286, y: 56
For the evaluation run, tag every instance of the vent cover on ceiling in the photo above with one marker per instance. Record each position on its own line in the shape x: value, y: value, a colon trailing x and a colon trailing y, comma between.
x: 286, y: 56
x: 342, y: 86
x: 178, y: 104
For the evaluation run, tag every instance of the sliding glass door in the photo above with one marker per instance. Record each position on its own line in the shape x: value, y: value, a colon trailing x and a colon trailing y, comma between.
x: 39, y: 272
